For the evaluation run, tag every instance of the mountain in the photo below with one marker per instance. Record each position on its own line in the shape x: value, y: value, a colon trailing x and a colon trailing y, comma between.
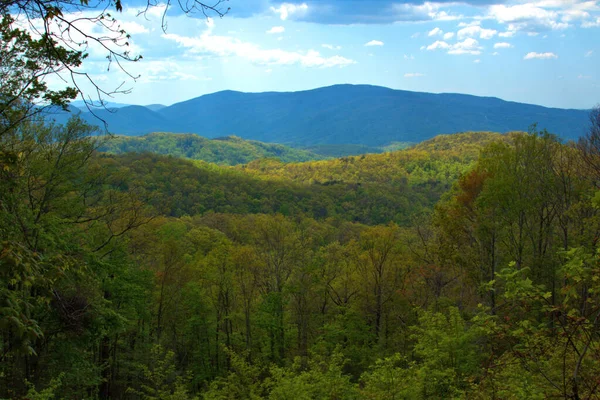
x: 109, y: 104
x: 155, y: 107
x: 342, y: 114
x: 229, y: 150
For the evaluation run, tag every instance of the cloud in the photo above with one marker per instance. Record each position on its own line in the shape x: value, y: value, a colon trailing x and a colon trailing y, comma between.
x: 541, y: 56
x: 477, y: 61
x: 167, y: 70
x: 476, y: 31
x: 502, y: 45
x: 435, y: 31
x: 495, y: 53
x: 374, y: 43
x: 472, y: 23
x: 448, y: 35
x: 532, y: 17
x: 522, y: 15
x: 438, y: 44
x: 507, y: 34
x: 345, y: 12
x: 591, y: 24
x: 224, y: 46
x: 468, y: 46
x: 413, y: 75
x: 407, y: 57
x: 589, y: 53
x: 134, y: 28
x: 331, y: 47
x: 276, y: 29
x: 286, y: 10
x: 581, y: 76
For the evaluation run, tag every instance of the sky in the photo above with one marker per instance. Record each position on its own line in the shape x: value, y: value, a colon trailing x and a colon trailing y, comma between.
x: 543, y: 52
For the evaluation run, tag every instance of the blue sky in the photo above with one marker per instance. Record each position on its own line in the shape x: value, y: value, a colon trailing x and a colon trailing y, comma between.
x: 544, y: 52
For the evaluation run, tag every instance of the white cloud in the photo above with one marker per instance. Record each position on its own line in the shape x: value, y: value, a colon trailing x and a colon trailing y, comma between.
x: 448, y: 35
x: 407, y: 57
x: 435, y: 31
x: 581, y: 76
x: 224, y: 46
x: 541, y: 56
x: 438, y: 44
x: 85, y: 24
x: 502, y: 45
x: 495, y: 53
x: 589, y: 53
x: 507, y: 34
x: 477, y: 61
x: 476, y: 31
x: 166, y: 70
x: 428, y: 11
x: 331, y: 47
x: 591, y: 24
x: 134, y: 28
x: 530, y: 16
x: 574, y: 14
x: 468, y: 46
x: 415, y: 35
x: 374, y: 43
x: 286, y: 10
x: 413, y: 75
x: 276, y: 29
x: 210, y: 23
x: 472, y: 23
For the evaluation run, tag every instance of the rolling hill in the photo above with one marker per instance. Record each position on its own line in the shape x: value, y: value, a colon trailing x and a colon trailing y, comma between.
x: 229, y: 150
x: 341, y: 114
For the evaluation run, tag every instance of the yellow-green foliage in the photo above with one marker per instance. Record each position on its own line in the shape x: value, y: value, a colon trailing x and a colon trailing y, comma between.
x: 442, y: 160
x: 230, y: 150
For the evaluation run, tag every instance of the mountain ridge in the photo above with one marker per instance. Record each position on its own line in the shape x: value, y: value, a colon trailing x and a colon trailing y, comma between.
x: 340, y: 114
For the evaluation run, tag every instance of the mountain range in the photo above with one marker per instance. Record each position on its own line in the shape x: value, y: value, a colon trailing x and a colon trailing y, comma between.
x: 341, y: 114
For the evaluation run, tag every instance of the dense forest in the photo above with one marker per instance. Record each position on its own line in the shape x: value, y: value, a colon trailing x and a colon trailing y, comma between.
x: 230, y: 150
x: 233, y: 150
x: 463, y: 267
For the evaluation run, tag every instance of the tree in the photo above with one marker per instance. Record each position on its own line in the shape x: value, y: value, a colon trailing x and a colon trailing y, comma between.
x: 590, y: 144
x: 24, y: 63
x: 41, y: 38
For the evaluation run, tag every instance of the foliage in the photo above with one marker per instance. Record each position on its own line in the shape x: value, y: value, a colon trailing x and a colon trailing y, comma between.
x: 223, y: 151
x: 431, y: 272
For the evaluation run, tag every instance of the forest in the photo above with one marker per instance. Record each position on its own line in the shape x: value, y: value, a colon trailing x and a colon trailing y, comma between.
x: 463, y: 267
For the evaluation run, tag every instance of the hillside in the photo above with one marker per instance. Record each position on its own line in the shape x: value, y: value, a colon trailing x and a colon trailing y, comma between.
x: 340, y: 114
x: 422, y: 273
x: 440, y: 160
x: 370, y: 189
x: 229, y: 150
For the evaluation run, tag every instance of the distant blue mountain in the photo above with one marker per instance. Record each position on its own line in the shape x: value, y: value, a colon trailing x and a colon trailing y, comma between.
x: 109, y: 104
x: 348, y: 114
x: 155, y: 107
